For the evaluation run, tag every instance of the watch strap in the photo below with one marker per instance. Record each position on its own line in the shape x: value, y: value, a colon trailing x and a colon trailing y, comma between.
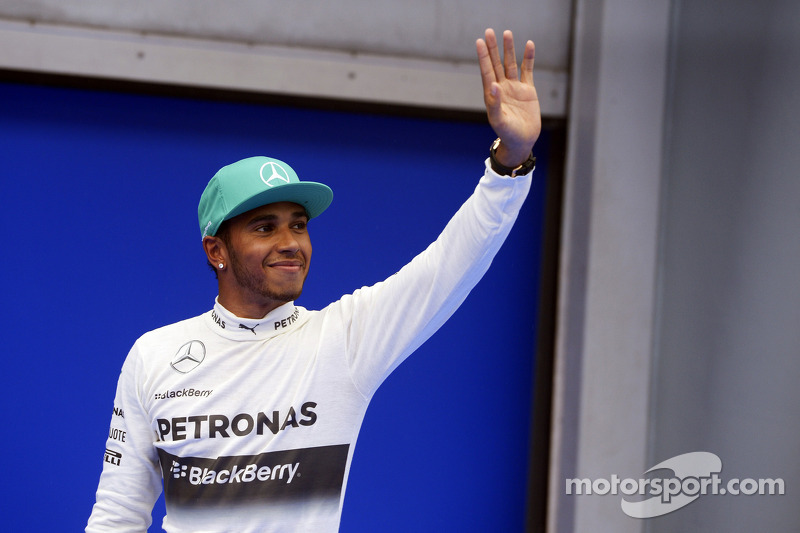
x: 527, y: 166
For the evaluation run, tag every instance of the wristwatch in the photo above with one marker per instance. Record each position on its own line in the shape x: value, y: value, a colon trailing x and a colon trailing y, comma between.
x: 528, y: 165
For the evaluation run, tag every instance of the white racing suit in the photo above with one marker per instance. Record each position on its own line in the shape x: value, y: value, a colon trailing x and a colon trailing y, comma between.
x: 251, y: 424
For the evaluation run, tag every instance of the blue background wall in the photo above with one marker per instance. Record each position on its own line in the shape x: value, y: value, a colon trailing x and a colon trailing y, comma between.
x: 99, y: 194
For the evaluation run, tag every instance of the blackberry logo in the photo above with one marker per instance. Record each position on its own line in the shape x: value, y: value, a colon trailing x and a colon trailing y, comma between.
x: 178, y: 470
x: 189, y: 392
x: 282, y: 475
x: 247, y: 474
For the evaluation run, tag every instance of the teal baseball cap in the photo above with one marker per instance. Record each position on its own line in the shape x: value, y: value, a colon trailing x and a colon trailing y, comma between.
x: 253, y: 182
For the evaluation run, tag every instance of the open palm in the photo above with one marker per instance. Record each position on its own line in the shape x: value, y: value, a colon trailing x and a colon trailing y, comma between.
x: 512, y: 105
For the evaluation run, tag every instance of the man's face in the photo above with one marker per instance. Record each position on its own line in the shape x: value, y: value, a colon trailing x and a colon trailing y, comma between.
x: 269, y: 250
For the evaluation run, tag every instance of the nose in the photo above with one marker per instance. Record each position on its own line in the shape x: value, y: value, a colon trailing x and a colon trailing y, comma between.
x: 287, y: 241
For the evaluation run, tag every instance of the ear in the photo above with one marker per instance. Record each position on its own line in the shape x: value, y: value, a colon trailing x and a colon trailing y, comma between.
x: 216, y: 251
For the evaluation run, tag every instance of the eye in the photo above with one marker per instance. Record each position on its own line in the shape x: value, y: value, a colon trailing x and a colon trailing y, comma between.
x: 265, y: 228
x: 300, y: 224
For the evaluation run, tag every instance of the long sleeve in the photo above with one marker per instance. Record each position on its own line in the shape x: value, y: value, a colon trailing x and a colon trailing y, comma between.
x: 131, y: 479
x: 391, y: 319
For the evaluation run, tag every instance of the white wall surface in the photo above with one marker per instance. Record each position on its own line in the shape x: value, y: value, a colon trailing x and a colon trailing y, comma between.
x: 416, y: 52
x: 433, y: 29
x: 608, y: 263
x: 680, y: 298
x: 728, y: 351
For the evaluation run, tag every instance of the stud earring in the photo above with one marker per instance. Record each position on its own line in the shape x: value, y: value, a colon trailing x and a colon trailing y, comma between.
x: 221, y: 266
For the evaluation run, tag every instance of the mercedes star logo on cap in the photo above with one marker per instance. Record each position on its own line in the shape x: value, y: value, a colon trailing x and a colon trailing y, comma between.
x: 276, y: 171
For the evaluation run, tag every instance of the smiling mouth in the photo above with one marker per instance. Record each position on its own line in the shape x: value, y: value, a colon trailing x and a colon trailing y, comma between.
x: 287, y: 266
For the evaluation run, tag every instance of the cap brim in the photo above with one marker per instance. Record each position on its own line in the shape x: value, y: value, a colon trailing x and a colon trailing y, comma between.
x: 314, y: 197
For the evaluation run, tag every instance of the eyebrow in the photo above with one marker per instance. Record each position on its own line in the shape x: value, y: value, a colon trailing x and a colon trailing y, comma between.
x: 272, y: 217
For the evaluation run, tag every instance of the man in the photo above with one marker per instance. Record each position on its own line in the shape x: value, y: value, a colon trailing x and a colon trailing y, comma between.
x: 250, y: 412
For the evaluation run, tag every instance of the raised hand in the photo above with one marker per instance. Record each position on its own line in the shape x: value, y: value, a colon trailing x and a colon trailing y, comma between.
x: 510, y: 97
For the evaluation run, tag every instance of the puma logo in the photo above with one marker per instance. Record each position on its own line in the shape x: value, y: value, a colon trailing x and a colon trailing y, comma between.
x: 253, y: 329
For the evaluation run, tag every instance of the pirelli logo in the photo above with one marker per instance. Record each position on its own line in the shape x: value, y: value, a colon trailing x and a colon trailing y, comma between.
x: 238, y: 480
x: 112, y: 457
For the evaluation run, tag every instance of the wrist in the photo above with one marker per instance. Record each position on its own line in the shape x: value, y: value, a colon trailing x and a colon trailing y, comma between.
x: 510, y: 157
x: 511, y: 161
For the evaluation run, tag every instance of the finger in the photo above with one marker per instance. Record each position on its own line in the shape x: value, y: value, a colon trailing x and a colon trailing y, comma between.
x: 526, y: 74
x: 494, y: 54
x: 509, y: 56
x: 485, y: 63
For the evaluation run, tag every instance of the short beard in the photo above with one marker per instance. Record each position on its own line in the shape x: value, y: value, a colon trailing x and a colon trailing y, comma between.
x: 250, y: 282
